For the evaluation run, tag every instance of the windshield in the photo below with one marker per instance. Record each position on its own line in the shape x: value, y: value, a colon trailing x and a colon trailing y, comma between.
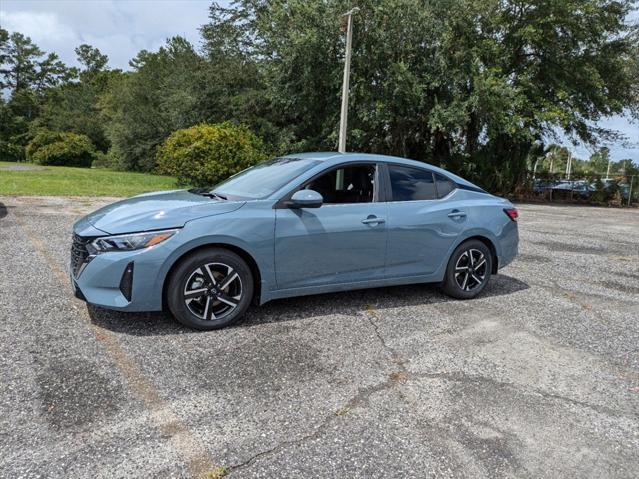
x: 264, y: 179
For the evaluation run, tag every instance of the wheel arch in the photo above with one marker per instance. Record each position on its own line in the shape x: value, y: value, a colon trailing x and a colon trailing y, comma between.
x: 242, y: 253
x: 490, y: 245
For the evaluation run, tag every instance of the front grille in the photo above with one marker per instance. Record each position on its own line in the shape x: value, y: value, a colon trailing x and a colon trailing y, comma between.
x: 79, y: 254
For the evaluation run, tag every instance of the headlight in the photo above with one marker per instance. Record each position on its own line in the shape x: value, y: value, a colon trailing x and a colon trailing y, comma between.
x: 129, y: 242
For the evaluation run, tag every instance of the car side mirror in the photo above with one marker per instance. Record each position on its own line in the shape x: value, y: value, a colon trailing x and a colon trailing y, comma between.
x: 305, y: 199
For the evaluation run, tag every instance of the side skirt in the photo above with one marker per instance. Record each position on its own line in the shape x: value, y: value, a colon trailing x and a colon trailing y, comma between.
x: 342, y: 287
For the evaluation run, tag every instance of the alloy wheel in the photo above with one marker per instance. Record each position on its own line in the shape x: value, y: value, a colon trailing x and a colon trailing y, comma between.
x: 213, y: 291
x: 470, y: 269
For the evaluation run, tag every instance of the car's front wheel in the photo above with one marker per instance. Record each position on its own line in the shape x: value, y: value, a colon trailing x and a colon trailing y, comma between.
x: 210, y: 289
x: 468, y: 270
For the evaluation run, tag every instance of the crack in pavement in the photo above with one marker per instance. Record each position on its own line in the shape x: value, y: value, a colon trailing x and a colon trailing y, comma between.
x: 401, y: 375
x: 396, y: 357
x: 361, y: 397
x: 469, y: 378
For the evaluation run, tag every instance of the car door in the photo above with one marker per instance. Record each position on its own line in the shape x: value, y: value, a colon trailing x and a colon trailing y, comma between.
x: 343, y: 241
x: 423, y: 222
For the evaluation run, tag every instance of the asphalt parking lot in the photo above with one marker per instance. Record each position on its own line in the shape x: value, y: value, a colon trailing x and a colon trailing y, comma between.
x: 539, y: 377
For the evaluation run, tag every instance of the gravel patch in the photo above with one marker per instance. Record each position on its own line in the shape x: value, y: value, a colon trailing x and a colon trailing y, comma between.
x: 22, y: 168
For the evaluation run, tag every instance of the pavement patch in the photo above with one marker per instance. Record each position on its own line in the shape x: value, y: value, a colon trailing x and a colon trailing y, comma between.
x: 75, y: 394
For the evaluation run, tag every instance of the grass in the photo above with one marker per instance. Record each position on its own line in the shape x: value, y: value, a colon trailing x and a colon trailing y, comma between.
x: 217, y: 473
x: 65, y: 181
x: 344, y: 410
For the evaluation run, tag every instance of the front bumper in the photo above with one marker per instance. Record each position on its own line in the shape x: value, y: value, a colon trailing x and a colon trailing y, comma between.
x: 77, y: 292
x: 99, y: 282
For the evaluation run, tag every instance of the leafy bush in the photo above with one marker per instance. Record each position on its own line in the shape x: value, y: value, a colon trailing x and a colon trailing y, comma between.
x: 10, y: 151
x: 40, y: 139
x: 60, y: 149
x: 599, y: 195
x: 105, y: 160
x: 204, y: 155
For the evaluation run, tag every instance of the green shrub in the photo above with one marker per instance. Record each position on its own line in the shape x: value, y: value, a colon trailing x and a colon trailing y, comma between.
x: 204, y: 155
x: 39, y: 140
x: 10, y: 151
x: 60, y: 149
x: 599, y: 195
x: 105, y: 160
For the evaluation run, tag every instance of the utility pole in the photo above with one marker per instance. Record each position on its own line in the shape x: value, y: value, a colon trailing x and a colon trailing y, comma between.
x: 608, y: 170
x: 568, y: 166
x: 347, y: 74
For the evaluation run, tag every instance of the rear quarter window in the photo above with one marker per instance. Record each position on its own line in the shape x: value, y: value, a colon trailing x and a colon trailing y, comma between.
x: 444, y: 185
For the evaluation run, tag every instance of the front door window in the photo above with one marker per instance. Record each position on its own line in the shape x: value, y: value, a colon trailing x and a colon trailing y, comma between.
x: 349, y: 184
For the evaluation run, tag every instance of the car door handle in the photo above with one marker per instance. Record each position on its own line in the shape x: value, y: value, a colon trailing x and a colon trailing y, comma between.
x: 456, y: 214
x: 373, y: 220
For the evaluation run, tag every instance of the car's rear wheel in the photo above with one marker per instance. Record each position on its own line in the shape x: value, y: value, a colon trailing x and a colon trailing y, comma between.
x: 468, y: 270
x: 210, y: 289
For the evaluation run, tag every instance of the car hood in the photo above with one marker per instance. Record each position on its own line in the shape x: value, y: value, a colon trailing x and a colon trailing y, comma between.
x: 153, y: 211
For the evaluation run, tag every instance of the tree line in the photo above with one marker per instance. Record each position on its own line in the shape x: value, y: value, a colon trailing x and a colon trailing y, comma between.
x: 480, y: 87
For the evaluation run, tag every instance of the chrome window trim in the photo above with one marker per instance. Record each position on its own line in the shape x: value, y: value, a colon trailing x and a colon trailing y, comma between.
x: 420, y: 201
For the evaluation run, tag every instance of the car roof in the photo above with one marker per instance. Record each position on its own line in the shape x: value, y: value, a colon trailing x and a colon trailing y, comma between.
x: 333, y: 157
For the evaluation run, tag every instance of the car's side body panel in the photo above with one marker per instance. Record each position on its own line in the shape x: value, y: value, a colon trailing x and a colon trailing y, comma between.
x: 319, y: 246
x: 250, y: 229
x: 493, y: 226
x: 420, y: 234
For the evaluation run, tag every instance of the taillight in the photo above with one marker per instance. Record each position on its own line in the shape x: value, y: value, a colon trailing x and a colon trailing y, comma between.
x: 512, y: 213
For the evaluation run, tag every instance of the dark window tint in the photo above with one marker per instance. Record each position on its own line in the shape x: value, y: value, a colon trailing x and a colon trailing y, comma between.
x: 444, y: 185
x: 409, y: 184
x: 351, y: 184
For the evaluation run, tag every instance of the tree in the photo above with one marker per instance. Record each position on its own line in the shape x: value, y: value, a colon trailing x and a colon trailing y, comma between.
x: 469, y: 84
x: 598, y: 163
x: 626, y: 168
x: 91, y: 59
x: 27, y: 73
x: 26, y: 67
x: 555, y: 160
x: 233, y: 82
x: 10, y: 150
x: 144, y: 107
x: 74, y: 106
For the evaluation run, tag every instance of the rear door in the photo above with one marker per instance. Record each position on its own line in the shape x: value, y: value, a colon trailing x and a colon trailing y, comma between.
x: 423, y: 221
x: 343, y: 241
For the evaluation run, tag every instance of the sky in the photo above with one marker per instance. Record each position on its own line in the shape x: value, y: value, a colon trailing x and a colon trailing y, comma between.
x: 121, y: 28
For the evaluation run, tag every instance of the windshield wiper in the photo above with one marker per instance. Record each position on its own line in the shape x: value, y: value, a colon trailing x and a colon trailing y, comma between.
x: 217, y: 195
x: 207, y: 192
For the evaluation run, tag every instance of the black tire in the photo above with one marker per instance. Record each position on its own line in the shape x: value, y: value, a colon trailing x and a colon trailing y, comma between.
x: 461, y: 280
x: 210, y: 307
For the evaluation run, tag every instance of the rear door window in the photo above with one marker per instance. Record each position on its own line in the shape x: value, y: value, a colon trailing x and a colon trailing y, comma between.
x: 411, y: 184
